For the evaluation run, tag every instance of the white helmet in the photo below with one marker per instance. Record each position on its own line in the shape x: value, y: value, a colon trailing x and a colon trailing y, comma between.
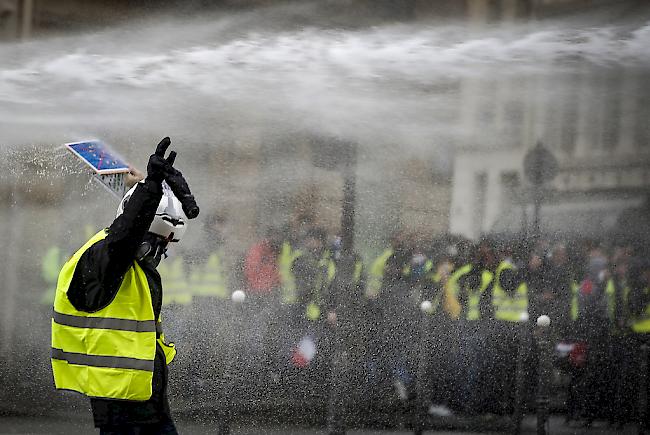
x: 170, y: 219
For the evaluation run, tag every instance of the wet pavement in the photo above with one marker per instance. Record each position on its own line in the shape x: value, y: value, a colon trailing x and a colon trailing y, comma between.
x: 82, y: 426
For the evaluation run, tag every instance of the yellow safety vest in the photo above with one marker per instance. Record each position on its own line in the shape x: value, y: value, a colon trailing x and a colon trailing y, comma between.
x: 376, y: 275
x: 509, y: 308
x: 209, y: 279
x: 450, y: 301
x: 50, y: 267
x: 172, y: 273
x: 313, y: 311
x: 108, y: 353
x: 474, y: 295
x: 287, y: 280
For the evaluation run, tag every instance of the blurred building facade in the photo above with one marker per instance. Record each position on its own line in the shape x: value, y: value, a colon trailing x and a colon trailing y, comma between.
x: 595, y: 126
x: 594, y: 121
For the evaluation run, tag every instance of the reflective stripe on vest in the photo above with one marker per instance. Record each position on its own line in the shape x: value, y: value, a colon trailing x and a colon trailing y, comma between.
x: 117, y: 362
x: 104, y: 323
x: 509, y: 308
x: 108, y: 353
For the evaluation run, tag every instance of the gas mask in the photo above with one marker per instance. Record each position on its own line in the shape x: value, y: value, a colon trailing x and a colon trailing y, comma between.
x: 152, y: 250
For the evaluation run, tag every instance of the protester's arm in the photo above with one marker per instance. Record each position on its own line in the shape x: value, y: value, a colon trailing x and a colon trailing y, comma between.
x: 101, y: 268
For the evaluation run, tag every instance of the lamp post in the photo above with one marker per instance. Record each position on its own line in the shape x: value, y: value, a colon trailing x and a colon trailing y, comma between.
x: 642, y: 399
x: 335, y: 154
x: 543, y: 373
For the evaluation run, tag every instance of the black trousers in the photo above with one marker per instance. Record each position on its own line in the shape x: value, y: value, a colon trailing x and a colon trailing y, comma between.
x: 164, y: 428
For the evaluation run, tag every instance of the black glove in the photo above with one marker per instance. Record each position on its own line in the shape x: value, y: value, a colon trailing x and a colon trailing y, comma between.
x: 179, y: 186
x: 158, y: 167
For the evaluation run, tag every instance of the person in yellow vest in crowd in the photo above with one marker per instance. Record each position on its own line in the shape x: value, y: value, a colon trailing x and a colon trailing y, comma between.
x: 594, y: 329
x: 351, y: 303
x: 385, y: 272
x: 509, y: 293
x: 209, y: 278
x: 622, y: 349
x: 177, y: 289
x: 289, y: 240
x: 50, y: 268
x: 206, y: 296
x: 107, y: 340
x: 436, y: 366
x: 376, y: 273
x: 314, y: 270
x: 288, y: 255
x: 344, y: 311
x: 625, y: 400
x: 394, y: 314
x: 438, y: 272
x: 618, y: 289
x: 510, y: 304
x: 561, y: 278
x: 373, y: 314
x: 471, y: 288
x: 51, y: 264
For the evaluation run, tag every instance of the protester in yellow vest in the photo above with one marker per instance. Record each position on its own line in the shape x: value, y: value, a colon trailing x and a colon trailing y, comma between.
x: 627, y: 344
x: 50, y: 267
x: 376, y: 274
x: 314, y: 272
x: 509, y: 294
x: 438, y: 276
x: 347, y: 297
x: 467, y: 291
x: 288, y: 255
x: 639, y: 296
x: 209, y: 278
x: 107, y: 340
x: 177, y: 290
x: 52, y: 262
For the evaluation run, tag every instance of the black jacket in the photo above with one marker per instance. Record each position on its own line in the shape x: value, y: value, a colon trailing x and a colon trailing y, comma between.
x: 95, y: 283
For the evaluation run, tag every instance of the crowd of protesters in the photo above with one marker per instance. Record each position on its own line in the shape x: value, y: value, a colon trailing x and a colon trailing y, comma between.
x: 446, y: 321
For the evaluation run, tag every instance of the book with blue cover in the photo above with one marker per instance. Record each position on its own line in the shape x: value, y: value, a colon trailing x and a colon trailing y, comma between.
x: 108, y: 167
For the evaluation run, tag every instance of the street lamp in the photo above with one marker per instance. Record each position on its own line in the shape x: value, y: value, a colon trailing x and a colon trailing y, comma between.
x: 340, y: 155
